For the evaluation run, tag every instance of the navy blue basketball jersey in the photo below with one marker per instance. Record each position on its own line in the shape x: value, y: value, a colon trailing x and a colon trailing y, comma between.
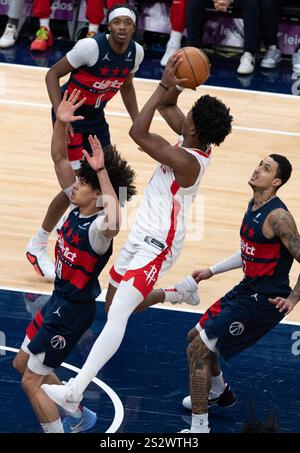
x: 77, y: 265
x: 100, y: 82
x: 266, y: 262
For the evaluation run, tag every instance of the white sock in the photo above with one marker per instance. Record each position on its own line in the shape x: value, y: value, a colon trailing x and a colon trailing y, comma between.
x: 42, y: 236
x: 93, y: 27
x: 199, y: 423
x: 125, y: 301
x: 175, y: 38
x: 76, y: 414
x: 217, y: 386
x: 172, y: 295
x: 45, y: 23
x: 53, y: 427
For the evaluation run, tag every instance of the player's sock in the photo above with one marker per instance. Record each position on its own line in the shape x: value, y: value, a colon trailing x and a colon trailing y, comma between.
x: 42, y: 236
x: 172, y: 295
x: 53, y: 427
x: 45, y: 23
x: 93, y: 28
x: 217, y: 386
x: 199, y: 423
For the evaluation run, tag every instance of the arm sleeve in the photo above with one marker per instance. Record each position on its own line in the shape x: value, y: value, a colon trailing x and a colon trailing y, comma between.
x: 139, y: 56
x: 233, y: 262
x: 85, y: 52
x: 98, y: 241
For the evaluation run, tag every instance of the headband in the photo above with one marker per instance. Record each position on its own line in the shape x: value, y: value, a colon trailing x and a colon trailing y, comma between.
x: 122, y: 11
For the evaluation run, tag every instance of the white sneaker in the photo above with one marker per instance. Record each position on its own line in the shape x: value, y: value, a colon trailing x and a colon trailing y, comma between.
x: 37, y: 255
x: 171, y: 48
x: 271, y: 59
x: 247, y: 64
x: 296, y: 61
x: 189, y: 290
x: 204, y: 430
x: 65, y: 396
x: 9, y: 37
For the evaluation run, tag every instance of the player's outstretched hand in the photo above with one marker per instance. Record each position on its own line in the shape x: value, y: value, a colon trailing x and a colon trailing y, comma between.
x: 283, y: 305
x: 95, y: 161
x: 202, y: 274
x: 68, y: 106
x: 169, y: 78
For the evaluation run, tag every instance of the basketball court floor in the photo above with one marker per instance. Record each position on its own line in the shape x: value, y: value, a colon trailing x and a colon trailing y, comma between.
x: 141, y: 388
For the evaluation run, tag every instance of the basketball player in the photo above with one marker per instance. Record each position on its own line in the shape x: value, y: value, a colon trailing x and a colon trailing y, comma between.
x: 82, y: 250
x: 269, y: 243
x: 99, y: 67
x: 157, y: 237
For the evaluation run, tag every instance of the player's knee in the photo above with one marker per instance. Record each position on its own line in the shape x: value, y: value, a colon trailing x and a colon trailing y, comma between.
x: 19, y: 364
x: 29, y: 383
x: 197, y: 349
x: 192, y: 334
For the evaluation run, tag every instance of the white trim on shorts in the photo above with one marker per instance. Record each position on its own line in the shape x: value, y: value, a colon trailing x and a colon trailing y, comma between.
x: 210, y: 342
x: 35, y: 361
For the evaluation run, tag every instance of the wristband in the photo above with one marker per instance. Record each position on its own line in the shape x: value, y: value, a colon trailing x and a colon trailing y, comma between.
x: 163, y: 86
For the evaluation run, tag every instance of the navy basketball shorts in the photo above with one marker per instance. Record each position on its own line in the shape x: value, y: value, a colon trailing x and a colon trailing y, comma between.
x: 237, y: 321
x: 57, y: 328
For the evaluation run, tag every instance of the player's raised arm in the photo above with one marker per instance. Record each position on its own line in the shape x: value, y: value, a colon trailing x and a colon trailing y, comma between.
x: 65, y: 114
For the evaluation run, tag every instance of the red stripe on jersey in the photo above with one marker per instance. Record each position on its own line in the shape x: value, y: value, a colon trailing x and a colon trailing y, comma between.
x: 202, y: 153
x: 74, y: 276
x: 253, y: 270
x: 66, y: 253
x: 31, y: 331
x: 114, y: 275
x: 39, y: 318
x: 213, y: 311
x: 256, y: 250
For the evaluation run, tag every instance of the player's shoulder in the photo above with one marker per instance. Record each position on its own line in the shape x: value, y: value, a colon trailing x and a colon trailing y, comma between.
x: 139, y: 50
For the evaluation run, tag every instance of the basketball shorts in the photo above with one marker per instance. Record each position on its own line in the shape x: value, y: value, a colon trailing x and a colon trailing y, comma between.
x: 143, y: 262
x: 96, y: 125
x: 237, y: 321
x: 56, y: 329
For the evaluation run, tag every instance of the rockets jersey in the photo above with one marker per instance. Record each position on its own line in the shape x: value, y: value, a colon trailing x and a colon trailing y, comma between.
x: 77, y: 265
x: 100, y: 82
x: 266, y: 262
x: 165, y: 206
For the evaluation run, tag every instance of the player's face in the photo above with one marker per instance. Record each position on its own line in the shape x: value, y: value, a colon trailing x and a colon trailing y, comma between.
x: 83, y: 194
x: 265, y: 174
x: 121, y: 29
x: 188, y: 124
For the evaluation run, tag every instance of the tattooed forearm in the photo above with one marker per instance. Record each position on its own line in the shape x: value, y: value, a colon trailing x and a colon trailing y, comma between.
x: 200, y: 375
x: 295, y: 294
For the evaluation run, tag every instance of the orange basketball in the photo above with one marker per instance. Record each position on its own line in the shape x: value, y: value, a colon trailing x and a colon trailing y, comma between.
x: 195, y: 67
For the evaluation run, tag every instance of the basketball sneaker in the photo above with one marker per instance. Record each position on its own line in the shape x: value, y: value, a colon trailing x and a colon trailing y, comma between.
x: 78, y: 425
x: 37, y: 255
x: 204, y: 430
x: 43, y: 40
x: 226, y: 399
x: 247, y: 64
x: 9, y: 37
x: 66, y: 396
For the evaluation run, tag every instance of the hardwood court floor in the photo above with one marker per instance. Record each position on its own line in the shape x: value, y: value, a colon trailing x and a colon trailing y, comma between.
x: 264, y: 123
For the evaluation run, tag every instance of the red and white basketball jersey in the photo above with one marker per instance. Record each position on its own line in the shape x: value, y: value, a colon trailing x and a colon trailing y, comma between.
x: 165, y: 206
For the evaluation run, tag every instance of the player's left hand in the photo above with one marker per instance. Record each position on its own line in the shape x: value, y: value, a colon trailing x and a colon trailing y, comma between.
x: 283, y: 305
x: 95, y: 161
x: 169, y: 78
x: 68, y: 106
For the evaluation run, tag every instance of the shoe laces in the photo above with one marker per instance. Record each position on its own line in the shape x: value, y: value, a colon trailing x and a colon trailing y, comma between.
x: 42, y: 33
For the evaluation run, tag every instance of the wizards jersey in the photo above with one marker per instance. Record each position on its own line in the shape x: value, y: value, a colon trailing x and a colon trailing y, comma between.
x: 77, y: 265
x: 100, y: 82
x: 266, y: 262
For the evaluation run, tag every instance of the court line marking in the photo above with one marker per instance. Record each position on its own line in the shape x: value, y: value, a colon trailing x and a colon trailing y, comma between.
x: 141, y: 79
x: 119, y: 409
x: 156, y: 118
x: 159, y: 307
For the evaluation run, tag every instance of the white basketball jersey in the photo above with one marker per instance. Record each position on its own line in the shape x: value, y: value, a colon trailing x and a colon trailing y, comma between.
x: 165, y: 206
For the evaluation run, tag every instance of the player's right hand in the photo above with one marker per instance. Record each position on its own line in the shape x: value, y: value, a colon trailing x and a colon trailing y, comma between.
x: 202, y: 274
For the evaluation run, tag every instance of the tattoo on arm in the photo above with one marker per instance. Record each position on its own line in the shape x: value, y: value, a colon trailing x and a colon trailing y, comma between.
x: 284, y: 226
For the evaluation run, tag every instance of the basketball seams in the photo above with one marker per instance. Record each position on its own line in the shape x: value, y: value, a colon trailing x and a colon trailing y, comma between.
x: 191, y: 67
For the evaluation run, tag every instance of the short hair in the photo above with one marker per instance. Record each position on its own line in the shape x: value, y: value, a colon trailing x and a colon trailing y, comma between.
x: 122, y: 5
x: 212, y: 120
x: 253, y: 425
x: 284, y: 167
x: 121, y: 175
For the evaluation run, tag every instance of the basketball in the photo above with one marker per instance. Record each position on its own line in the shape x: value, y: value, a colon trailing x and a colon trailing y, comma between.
x: 195, y: 67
